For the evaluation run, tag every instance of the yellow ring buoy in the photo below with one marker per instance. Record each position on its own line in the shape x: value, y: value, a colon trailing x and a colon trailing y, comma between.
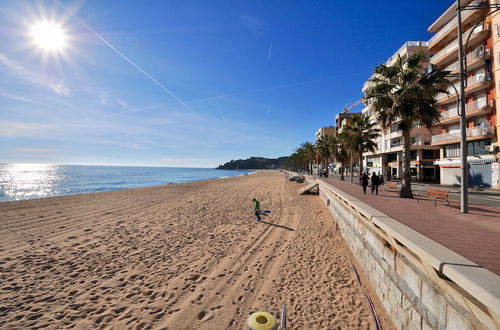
x: 261, y: 321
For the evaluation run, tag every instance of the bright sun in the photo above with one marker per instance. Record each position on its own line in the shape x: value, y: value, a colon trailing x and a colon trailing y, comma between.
x: 48, y: 36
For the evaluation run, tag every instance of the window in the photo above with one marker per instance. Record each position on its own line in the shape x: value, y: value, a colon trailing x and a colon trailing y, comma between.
x: 428, y: 154
x: 392, y: 157
x: 474, y: 148
x: 415, y: 139
x: 452, y: 150
x: 497, y: 29
x: 396, y: 142
x: 387, y: 144
x: 413, y: 154
x: 477, y: 147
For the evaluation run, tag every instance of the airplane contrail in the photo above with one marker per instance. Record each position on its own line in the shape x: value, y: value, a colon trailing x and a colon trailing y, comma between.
x: 159, y: 84
x: 269, y: 53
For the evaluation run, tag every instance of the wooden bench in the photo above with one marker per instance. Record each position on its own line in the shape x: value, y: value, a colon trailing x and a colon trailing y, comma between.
x: 436, y: 194
x: 391, y: 186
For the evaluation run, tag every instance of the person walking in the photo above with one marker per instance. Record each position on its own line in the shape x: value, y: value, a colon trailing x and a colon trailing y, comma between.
x: 375, y: 183
x: 256, y: 205
x: 380, y: 178
x: 364, y: 182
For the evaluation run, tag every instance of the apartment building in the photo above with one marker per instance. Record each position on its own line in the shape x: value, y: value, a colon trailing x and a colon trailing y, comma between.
x: 329, y: 130
x: 387, y: 158
x: 342, y: 119
x: 482, y: 57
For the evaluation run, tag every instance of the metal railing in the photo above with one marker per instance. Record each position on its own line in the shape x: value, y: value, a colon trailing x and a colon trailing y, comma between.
x: 480, y: 78
x: 454, y: 44
x: 452, y: 24
x: 478, y: 53
x: 471, y: 106
x: 405, y: 46
x: 470, y: 132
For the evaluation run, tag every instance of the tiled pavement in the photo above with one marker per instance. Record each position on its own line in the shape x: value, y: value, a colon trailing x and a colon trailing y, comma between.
x: 475, y: 235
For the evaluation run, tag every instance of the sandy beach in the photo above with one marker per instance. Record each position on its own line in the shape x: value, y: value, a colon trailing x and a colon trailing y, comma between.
x: 184, y: 256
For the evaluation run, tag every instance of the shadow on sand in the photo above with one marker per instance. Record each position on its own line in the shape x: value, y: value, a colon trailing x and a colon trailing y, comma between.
x: 275, y: 225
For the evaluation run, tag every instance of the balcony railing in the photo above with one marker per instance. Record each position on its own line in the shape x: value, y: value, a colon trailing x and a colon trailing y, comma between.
x: 471, y: 132
x: 480, y: 78
x: 448, y: 49
x: 469, y: 107
x: 452, y: 24
x: 454, y: 44
x: 478, y: 53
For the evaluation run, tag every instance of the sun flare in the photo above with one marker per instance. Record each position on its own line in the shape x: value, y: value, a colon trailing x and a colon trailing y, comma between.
x: 49, y: 36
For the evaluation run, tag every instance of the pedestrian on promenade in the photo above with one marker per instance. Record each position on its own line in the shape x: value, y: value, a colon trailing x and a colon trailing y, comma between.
x: 256, y: 205
x: 364, y: 182
x: 375, y: 182
x: 380, y: 178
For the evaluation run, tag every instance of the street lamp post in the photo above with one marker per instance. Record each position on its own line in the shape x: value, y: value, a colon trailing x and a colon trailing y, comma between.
x: 464, y: 207
x: 464, y: 197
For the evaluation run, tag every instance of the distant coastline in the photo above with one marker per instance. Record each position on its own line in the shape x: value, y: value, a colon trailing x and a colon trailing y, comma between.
x: 254, y: 163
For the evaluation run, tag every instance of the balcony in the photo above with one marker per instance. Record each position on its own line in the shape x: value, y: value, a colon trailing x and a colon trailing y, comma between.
x: 450, y: 51
x: 472, y: 109
x: 449, y: 32
x: 478, y: 82
x: 474, y: 84
x: 476, y: 58
x: 472, y: 133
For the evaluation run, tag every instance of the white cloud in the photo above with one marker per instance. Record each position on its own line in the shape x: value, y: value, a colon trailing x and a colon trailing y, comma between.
x: 34, y: 78
x: 59, y: 88
x: 137, y: 147
x: 122, y: 103
x: 35, y: 150
x: 24, y: 129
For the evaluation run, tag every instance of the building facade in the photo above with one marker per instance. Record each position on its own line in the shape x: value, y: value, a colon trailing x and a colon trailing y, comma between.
x: 387, y: 158
x: 481, y: 39
x: 329, y: 130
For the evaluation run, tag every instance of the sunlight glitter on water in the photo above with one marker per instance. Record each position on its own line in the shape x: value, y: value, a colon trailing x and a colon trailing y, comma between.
x: 22, y: 181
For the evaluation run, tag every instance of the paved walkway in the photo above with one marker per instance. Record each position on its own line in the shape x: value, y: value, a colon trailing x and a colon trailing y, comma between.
x: 475, y: 235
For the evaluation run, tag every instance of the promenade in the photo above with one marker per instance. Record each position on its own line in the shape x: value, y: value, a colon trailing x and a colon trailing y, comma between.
x: 475, y: 235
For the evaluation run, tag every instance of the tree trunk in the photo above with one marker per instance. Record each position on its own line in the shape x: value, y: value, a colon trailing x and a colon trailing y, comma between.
x: 342, y: 173
x: 360, y: 165
x: 360, y: 162
x: 351, y: 167
x: 406, y: 184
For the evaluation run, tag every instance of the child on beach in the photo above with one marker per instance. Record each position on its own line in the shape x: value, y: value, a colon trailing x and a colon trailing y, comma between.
x: 256, y: 205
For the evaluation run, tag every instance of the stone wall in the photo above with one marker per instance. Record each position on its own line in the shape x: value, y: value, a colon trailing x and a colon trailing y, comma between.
x: 422, y: 284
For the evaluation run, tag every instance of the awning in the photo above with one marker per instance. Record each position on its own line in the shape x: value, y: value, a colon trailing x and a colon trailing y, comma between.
x: 486, y: 159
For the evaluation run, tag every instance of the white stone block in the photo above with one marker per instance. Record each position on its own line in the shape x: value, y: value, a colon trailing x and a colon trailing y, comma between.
x: 436, y: 306
x: 412, y: 283
x: 455, y: 321
x: 389, y: 255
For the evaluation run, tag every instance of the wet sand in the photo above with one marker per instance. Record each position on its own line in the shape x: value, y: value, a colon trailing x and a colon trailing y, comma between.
x: 185, y: 256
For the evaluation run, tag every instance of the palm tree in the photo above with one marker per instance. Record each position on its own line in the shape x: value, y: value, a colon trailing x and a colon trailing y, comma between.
x: 325, y: 145
x: 309, y: 151
x: 340, y: 151
x: 363, y: 135
x: 404, y: 94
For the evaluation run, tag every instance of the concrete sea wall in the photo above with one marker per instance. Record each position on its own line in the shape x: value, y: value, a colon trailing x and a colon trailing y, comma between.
x: 422, y: 284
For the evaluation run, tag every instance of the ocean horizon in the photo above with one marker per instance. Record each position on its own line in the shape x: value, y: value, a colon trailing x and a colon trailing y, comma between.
x: 30, y: 181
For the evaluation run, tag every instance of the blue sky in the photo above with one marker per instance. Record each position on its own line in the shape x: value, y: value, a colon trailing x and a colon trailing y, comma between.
x: 250, y: 78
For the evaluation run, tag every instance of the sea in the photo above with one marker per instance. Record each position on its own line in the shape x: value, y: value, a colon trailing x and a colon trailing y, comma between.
x: 28, y: 181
